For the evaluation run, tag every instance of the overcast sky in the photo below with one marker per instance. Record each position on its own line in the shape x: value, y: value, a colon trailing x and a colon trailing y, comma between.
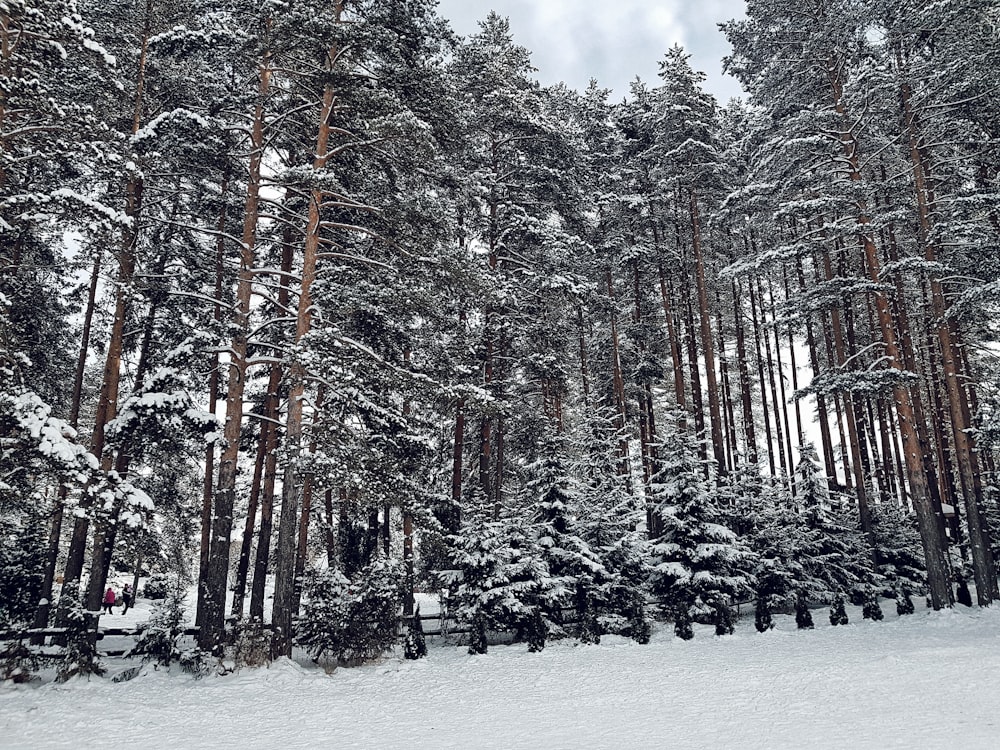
x: 614, y: 41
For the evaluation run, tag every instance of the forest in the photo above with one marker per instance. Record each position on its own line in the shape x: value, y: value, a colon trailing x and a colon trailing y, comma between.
x: 319, y: 295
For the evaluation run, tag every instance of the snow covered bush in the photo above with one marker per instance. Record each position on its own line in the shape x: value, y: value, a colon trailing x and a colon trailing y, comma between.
x: 18, y: 662
x: 803, y: 617
x: 871, y: 609
x: 79, y: 658
x: 157, y: 586
x: 251, y: 643
x: 838, y: 610
x: 414, y: 643
x: 158, y: 640
x: 351, y: 620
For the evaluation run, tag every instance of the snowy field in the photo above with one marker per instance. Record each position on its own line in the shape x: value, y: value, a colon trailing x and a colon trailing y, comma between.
x: 926, y: 681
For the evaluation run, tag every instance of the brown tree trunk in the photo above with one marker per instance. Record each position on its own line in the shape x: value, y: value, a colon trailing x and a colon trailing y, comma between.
x: 674, y: 342
x: 618, y: 382
x: 697, y: 400
x: 266, y: 444
x: 822, y: 415
x: 107, y: 404
x: 208, y: 486
x: 983, y: 564
x: 458, y: 446
x: 758, y: 305
x: 780, y: 370
x: 284, y: 609
x: 55, y: 522
x: 211, y: 636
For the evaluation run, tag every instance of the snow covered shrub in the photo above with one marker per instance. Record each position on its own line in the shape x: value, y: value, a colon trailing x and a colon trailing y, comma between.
x: 80, y: 652
x: 251, y: 643
x: 589, y: 628
x: 477, y: 636
x: 724, y: 620
x: 871, y: 609
x: 838, y: 610
x: 157, y: 587
x: 621, y: 600
x: 158, y: 638
x: 904, y: 604
x: 803, y: 617
x: 683, y: 628
x: 536, y: 631
x: 762, y: 620
x: 350, y: 620
x: 415, y: 644
x: 18, y: 663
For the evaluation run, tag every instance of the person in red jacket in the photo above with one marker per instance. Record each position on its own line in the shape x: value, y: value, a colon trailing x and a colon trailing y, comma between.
x: 109, y: 600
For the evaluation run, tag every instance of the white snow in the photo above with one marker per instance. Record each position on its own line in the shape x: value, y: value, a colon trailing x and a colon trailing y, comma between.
x: 924, y: 681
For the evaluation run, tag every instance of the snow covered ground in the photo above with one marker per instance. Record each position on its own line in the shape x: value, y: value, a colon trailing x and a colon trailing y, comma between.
x: 925, y: 681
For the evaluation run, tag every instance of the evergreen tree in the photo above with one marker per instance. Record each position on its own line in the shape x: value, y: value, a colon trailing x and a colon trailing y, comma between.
x: 696, y: 560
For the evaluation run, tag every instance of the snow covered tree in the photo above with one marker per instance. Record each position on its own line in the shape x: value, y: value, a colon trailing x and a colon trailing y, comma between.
x: 350, y: 620
x: 696, y: 560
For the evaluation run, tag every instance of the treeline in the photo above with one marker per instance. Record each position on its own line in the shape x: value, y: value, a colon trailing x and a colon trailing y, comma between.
x: 537, y: 347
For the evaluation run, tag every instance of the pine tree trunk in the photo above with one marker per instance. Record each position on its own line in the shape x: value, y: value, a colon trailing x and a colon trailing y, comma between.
x: 266, y: 445
x: 707, y: 344
x: 840, y: 350
x: 107, y: 404
x: 793, y: 363
x: 822, y: 415
x: 757, y: 302
x: 584, y: 365
x: 458, y: 449
x: 618, y: 381
x: 983, y: 564
x: 697, y: 401
x: 674, y: 342
x: 746, y: 395
x: 213, y: 399
x: 928, y: 517
x: 55, y: 523
x: 284, y: 585
x: 211, y: 635
x: 780, y: 368
x: 729, y: 417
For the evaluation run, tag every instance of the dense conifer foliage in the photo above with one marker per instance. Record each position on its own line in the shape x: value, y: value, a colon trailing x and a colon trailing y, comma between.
x: 321, y: 291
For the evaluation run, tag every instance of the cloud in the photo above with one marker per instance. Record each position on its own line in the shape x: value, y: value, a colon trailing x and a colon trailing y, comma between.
x: 613, y: 42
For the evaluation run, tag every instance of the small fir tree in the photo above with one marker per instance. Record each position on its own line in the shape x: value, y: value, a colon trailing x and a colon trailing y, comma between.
x: 415, y: 644
x: 871, y: 609
x: 838, y: 610
x: 803, y: 617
